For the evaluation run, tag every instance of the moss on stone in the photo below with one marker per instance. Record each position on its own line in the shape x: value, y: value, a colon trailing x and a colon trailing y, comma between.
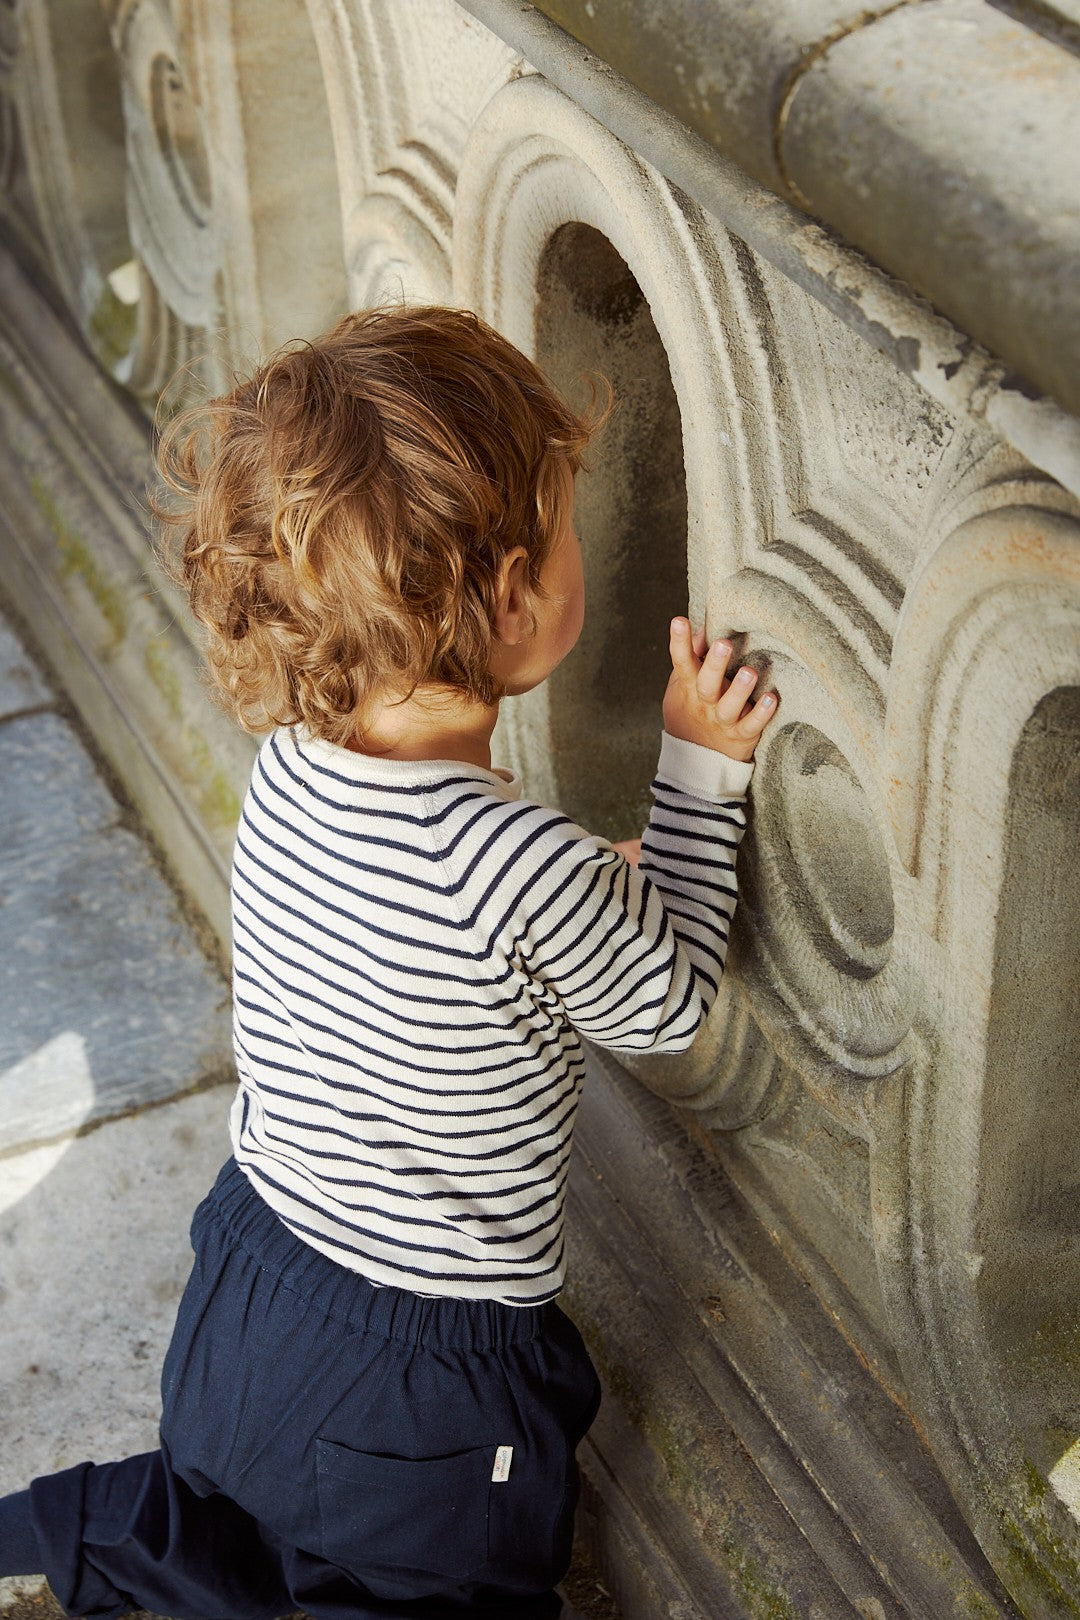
x: 763, y: 1597
x: 164, y: 678
x: 111, y: 327
x: 77, y: 560
x: 1041, y: 1571
x: 975, y: 1605
x: 217, y: 798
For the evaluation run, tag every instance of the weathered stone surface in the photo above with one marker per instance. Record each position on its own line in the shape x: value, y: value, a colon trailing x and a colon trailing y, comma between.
x: 941, y: 138
x: 886, y: 1087
x: 75, y: 556
x: 959, y: 130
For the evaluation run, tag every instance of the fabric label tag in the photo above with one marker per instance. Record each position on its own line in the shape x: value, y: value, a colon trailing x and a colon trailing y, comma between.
x: 501, y: 1470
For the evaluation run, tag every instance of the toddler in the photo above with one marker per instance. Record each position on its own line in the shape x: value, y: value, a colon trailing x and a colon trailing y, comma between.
x: 372, y: 1399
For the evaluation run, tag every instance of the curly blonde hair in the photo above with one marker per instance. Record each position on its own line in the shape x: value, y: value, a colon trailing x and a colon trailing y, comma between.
x: 338, y: 520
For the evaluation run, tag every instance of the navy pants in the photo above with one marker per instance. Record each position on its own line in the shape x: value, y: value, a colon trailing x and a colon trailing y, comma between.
x: 330, y: 1446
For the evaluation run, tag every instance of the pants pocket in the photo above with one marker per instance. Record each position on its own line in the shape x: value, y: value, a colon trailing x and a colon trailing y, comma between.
x: 404, y: 1514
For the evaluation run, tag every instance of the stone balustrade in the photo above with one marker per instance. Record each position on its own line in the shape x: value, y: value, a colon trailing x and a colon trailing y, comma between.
x: 832, y: 1276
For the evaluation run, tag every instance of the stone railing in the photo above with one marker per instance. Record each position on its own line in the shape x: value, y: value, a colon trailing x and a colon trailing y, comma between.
x: 835, y: 1289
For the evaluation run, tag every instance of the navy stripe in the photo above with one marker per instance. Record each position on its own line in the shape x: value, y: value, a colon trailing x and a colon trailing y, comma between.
x: 397, y: 1241
x: 515, y: 1055
x: 269, y: 919
x: 515, y: 1108
x: 552, y: 1190
x: 371, y: 841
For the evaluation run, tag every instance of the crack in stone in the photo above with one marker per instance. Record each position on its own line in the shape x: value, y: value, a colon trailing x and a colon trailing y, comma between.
x: 813, y: 54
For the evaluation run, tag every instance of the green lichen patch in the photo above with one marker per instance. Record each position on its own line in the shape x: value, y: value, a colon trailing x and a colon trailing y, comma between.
x: 1034, y: 1486
x: 972, y: 1604
x: 111, y: 327
x: 762, y: 1598
x: 218, y: 800
x: 77, y: 560
x: 1055, y: 1349
x: 969, y: 1603
x: 762, y: 1595
x: 164, y: 677
x: 1041, y: 1570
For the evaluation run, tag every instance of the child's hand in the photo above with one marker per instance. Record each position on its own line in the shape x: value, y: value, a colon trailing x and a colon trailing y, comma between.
x: 630, y: 848
x: 700, y: 706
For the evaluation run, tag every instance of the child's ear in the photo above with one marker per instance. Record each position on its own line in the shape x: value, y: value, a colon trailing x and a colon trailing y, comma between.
x: 512, y: 620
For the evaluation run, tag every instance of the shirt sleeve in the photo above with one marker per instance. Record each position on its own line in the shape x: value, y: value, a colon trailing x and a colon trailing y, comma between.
x: 634, y: 956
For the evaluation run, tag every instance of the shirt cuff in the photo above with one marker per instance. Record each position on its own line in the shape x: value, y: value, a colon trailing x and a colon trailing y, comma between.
x: 702, y: 772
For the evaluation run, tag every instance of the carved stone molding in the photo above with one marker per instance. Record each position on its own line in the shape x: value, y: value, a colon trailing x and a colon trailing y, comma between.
x: 170, y: 205
x: 812, y: 501
x: 976, y: 1175
x: 403, y: 85
x: 277, y: 252
x: 866, y: 1189
x: 394, y: 256
x: 536, y: 165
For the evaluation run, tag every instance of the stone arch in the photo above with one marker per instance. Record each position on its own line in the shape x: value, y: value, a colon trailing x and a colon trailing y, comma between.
x: 170, y: 185
x: 1028, y: 1285
x: 548, y: 200
x: 536, y: 162
x: 139, y: 148
x: 976, y: 1230
x: 603, y: 703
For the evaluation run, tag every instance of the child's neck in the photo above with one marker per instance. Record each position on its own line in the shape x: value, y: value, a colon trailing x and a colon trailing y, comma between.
x: 431, y: 725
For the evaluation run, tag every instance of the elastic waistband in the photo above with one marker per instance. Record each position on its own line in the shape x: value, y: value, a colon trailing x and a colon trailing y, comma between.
x: 391, y: 1313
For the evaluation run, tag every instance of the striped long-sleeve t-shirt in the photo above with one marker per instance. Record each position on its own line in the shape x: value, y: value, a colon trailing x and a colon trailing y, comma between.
x: 417, y: 952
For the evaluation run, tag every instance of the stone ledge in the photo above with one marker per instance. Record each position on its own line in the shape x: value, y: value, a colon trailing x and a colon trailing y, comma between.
x: 737, y: 76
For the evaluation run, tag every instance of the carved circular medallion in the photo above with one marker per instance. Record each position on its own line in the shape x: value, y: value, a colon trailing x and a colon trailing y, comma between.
x: 817, y: 922
x: 830, y: 854
x: 169, y: 192
x: 176, y: 128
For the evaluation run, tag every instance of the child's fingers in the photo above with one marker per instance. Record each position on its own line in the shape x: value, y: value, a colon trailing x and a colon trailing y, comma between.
x: 710, y: 679
x: 684, y: 660
x: 735, y: 699
x: 753, y: 723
